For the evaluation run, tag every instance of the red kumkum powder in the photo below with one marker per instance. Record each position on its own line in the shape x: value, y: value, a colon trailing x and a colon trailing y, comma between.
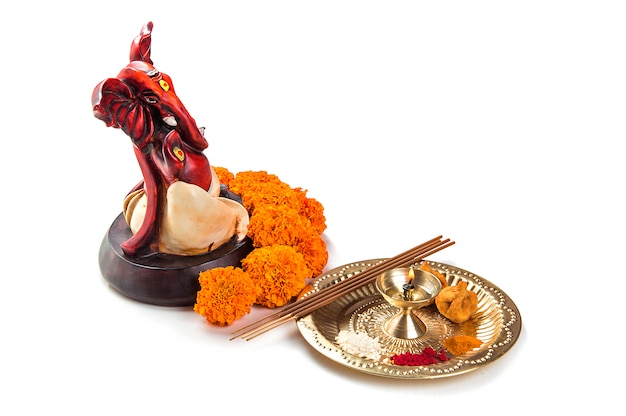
x: 428, y: 356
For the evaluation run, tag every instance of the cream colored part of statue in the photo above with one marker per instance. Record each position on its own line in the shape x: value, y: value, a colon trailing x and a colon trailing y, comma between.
x: 194, y: 220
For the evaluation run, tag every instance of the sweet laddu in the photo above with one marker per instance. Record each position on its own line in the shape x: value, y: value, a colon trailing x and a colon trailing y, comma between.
x: 179, y: 207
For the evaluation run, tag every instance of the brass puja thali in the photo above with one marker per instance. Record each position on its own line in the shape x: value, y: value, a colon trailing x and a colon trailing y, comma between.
x: 362, y: 312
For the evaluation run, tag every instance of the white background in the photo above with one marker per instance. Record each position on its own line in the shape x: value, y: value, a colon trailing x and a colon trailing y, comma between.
x: 497, y: 124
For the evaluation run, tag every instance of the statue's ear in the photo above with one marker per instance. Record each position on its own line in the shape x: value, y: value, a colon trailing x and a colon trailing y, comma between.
x: 140, y: 48
x: 114, y: 103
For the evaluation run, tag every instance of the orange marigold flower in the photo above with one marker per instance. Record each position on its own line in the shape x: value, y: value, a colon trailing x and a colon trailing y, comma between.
x: 226, y: 294
x: 313, y: 248
x: 279, y: 271
x: 312, y: 209
x: 257, y: 176
x: 223, y: 174
x: 280, y: 224
x: 258, y: 188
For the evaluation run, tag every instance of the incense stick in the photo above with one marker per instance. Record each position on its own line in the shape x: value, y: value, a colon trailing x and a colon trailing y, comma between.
x: 314, y: 300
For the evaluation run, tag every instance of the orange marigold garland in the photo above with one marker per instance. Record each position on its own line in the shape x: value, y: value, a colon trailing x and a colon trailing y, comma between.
x: 273, y: 224
x: 313, y: 248
x: 279, y: 271
x: 312, y: 209
x: 260, y: 188
x: 286, y: 228
x: 224, y: 175
x: 226, y: 294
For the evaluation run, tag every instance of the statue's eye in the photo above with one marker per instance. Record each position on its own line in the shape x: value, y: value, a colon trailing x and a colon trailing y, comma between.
x: 151, y: 99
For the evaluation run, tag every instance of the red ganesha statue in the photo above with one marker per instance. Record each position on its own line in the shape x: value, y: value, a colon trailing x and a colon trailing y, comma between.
x: 179, y: 207
x: 178, y: 220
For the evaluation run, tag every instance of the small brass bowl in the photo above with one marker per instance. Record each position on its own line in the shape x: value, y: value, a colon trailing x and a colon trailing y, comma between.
x: 408, y: 295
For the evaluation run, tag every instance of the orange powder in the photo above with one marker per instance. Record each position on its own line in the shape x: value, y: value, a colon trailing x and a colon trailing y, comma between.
x: 460, y: 344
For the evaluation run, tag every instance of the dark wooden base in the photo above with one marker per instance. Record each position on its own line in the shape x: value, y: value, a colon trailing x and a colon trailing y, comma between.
x: 161, y: 279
